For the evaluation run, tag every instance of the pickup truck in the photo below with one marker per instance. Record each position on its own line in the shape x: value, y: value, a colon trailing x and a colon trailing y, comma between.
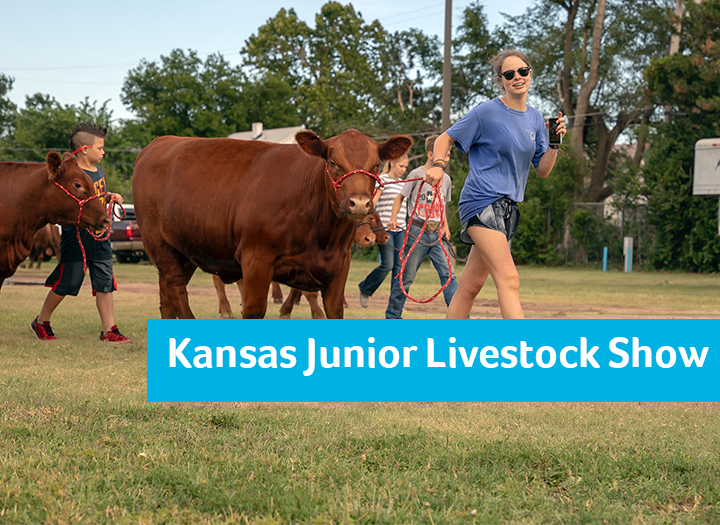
x: 126, y: 239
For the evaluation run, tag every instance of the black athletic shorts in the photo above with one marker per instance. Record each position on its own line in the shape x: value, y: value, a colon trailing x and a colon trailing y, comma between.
x: 502, y: 215
x: 67, y: 277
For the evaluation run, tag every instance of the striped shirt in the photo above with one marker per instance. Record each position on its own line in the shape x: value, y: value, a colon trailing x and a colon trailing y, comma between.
x: 387, y: 198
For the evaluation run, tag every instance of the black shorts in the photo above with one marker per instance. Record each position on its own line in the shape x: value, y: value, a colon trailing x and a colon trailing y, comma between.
x: 67, y: 277
x: 503, y: 215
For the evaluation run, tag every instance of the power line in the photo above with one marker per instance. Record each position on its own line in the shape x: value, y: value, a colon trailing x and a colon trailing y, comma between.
x: 434, y: 5
x: 63, y: 68
x: 71, y: 82
x: 415, y: 18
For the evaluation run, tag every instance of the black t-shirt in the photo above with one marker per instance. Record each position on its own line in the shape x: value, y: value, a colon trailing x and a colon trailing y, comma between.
x: 70, y: 250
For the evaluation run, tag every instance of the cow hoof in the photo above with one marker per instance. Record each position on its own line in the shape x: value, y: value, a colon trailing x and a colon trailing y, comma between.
x: 277, y: 301
x: 286, y: 316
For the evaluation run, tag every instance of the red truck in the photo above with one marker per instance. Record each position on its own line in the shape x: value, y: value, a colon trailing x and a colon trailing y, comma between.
x: 126, y: 239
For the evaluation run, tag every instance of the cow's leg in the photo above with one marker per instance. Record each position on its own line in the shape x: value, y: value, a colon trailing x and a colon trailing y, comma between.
x: 241, y: 289
x: 312, y: 299
x: 166, y: 309
x: 334, y: 292
x: 175, y: 271
x: 276, y: 293
x: 223, y: 303
x: 287, y: 307
x: 257, y: 276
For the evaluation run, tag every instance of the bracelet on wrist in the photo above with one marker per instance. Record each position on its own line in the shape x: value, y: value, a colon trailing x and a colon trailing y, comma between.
x: 438, y: 164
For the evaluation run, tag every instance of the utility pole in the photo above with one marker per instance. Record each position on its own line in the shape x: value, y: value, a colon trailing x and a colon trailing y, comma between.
x: 447, y: 75
x: 675, y: 43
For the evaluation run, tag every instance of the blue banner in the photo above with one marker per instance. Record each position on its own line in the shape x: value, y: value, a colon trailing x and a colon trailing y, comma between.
x: 433, y: 360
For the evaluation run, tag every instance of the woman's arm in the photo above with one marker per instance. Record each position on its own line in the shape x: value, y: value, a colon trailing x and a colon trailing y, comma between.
x: 440, y: 153
x: 546, y: 164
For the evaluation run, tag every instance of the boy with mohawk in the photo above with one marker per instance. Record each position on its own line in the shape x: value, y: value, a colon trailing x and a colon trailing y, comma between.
x: 87, y: 142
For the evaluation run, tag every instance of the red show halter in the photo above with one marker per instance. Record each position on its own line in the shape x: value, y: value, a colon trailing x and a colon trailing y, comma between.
x: 336, y: 183
x: 80, y: 149
x: 81, y: 203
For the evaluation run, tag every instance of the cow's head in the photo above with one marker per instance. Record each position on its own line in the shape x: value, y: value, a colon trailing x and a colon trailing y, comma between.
x: 352, y: 151
x: 371, y: 230
x: 66, y: 172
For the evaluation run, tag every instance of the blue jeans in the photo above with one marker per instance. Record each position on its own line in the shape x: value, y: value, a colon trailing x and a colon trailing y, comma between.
x: 437, y: 258
x: 389, y: 261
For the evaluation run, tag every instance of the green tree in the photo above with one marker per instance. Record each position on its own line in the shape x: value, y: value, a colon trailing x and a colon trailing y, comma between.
x: 548, y: 202
x: 331, y: 70
x: 346, y: 72
x: 7, y: 109
x: 44, y: 124
x: 588, y: 57
x: 688, y: 83
x: 411, y: 96
x: 473, y: 79
x: 182, y: 95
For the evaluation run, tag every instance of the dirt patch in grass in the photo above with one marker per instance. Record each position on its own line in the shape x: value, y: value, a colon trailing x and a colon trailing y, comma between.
x: 488, y: 309
x: 483, y: 308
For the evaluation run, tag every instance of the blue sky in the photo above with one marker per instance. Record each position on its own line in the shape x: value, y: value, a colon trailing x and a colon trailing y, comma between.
x: 88, y: 52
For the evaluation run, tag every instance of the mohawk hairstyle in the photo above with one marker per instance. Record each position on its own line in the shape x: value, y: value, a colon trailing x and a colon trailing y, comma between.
x: 83, y: 134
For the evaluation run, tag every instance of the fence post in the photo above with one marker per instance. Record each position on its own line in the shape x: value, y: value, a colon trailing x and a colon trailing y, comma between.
x: 627, y: 249
x: 605, y: 253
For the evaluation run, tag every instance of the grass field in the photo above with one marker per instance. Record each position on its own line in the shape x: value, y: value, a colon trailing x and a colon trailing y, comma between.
x: 79, y: 444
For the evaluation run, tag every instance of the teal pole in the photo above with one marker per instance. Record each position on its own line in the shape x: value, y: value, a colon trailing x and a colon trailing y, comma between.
x: 605, y: 252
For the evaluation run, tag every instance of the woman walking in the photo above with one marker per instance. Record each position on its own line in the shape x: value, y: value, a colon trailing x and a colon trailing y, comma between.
x: 502, y: 137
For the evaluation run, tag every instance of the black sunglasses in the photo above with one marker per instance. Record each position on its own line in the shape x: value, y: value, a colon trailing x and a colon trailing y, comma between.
x: 510, y: 73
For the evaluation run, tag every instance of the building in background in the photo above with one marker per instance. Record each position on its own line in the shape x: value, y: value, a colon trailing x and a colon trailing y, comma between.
x: 277, y: 135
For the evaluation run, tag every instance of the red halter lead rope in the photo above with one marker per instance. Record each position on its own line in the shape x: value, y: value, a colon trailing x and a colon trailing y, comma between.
x: 110, y: 211
x: 81, y: 203
x: 403, y: 260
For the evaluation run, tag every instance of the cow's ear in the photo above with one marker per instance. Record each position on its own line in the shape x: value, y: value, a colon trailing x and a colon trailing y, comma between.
x: 394, y: 147
x: 311, y: 144
x: 53, y: 162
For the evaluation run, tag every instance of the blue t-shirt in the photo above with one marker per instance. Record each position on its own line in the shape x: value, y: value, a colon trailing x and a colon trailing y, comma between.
x: 501, y: 143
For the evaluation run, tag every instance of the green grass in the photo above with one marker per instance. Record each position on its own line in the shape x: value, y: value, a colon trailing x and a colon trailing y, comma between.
x: 594, y: 287
x: 79, y: 443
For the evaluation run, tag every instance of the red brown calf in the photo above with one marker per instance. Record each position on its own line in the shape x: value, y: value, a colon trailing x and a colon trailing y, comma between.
x: 263, y: 211
x: 30, y: 198
x: 368, y: 231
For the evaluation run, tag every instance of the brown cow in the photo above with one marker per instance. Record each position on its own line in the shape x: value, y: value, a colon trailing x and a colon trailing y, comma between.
x: 263, y: 211
x: 46, y: 242
x: 29, y: 199
x: 369, y: 231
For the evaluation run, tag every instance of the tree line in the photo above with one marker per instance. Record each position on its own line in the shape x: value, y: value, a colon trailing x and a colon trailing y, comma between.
x: 626, y: 72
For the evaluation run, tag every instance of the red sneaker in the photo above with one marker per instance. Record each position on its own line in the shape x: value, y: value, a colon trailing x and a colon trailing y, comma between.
x: 114, y: 336
x: 42, y: 330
